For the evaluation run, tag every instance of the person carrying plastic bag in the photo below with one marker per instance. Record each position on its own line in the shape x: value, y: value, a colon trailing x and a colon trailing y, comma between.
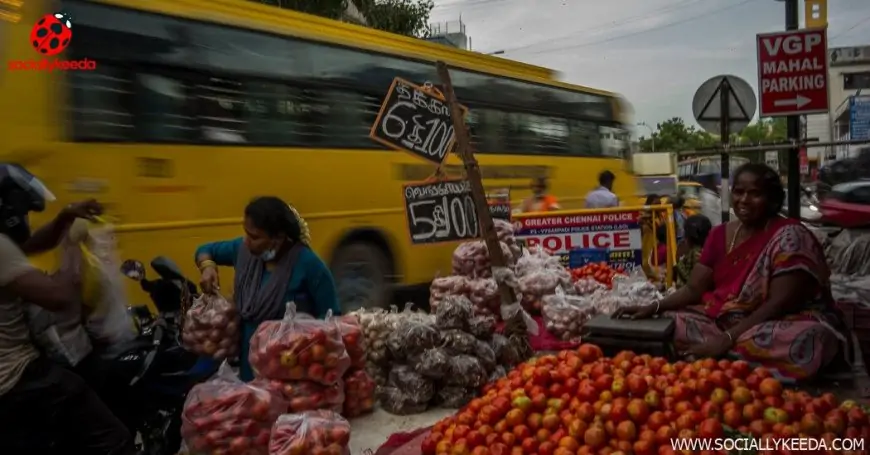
x: 43, y: 406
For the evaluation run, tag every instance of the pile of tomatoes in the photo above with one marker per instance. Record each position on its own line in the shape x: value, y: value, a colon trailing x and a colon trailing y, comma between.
x: 599, y: 271
x: 579, y: 402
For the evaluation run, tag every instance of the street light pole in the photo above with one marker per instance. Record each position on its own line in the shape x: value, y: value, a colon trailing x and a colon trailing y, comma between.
x: 652, y: 135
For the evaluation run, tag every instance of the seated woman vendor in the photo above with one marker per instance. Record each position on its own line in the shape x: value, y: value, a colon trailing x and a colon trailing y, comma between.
x: 760, y: 289
x: 273, y: 265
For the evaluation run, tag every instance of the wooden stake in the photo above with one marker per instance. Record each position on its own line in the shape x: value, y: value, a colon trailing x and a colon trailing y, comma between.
x: 472, y: 171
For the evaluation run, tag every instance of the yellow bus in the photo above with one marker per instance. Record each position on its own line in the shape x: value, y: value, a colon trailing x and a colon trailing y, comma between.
x: 194, y: 107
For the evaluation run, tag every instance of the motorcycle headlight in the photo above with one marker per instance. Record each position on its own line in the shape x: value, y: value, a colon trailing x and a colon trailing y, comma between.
x: 813, y: 208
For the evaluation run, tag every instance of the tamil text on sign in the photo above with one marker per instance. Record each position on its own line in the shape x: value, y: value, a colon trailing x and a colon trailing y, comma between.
x: 415, y: 119
x: 619, y: 233
x: 441, y: 211
x: 792, y: 72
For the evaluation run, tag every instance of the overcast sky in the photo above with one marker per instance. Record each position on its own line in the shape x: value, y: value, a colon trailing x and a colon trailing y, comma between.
x: 655, y: 52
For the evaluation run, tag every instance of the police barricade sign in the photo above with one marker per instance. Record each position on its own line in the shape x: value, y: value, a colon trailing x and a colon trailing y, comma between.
x: 614, y: 235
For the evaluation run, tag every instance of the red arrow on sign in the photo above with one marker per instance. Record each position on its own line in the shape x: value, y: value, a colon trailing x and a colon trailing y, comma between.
x: 792, y: 72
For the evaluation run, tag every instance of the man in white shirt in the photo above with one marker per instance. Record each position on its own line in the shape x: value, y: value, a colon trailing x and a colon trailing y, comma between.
x: 711, y: 204
x: 603, y: 197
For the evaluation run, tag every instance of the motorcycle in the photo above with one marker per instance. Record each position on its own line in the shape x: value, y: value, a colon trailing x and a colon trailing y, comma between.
x: 147, y: 379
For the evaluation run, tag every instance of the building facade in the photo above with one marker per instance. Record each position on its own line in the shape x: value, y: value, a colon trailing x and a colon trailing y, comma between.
x: 848, y: 75
x: 450, y: 33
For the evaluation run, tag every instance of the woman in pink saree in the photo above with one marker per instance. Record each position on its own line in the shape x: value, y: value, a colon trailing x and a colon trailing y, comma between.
x: 760, y: 290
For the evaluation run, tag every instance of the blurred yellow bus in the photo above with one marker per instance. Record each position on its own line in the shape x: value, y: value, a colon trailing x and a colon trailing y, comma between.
x: 197, y: 106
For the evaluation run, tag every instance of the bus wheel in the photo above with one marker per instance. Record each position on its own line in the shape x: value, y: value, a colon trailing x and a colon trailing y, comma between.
x: 361, y: 271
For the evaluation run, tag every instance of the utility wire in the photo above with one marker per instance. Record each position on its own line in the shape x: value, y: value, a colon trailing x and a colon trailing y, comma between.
x: 637, y: 33
x: 616, y: 23
x: 846, y: 32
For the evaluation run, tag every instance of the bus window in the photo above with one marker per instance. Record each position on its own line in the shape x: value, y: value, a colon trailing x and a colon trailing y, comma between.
x: 585, y: 138
x: 101, y: 100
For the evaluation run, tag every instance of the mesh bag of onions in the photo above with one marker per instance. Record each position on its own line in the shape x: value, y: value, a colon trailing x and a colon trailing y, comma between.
x: 211, y: 327
x: 299, y: 349
x: 444, y: 287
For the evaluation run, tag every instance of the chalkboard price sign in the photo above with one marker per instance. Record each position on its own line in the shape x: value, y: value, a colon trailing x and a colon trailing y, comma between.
x: 500, y: 210
x: 417, y: 120
x: 441, y: 211
x: 499, y: 202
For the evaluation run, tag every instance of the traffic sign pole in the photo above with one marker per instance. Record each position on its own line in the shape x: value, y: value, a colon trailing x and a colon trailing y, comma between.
x: 793, y: 125
x: 724, y: 158
x: 724, y: 105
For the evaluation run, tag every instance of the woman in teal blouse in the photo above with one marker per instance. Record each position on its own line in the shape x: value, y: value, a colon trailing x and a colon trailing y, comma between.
x: 273, y: 265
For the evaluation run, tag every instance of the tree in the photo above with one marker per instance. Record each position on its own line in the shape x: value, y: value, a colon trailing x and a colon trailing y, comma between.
x: 404, y: 17
x: 673, y: 135
x: 763, y: 131
x: 332, y: 9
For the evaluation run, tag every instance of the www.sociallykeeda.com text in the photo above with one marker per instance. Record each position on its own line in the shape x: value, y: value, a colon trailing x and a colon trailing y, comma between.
x: 52, y: 65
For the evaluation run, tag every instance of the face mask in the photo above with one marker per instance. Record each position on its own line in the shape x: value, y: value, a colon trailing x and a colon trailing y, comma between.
x: 268, y: 255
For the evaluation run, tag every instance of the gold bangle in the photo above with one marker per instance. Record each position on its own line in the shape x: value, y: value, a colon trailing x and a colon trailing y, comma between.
x: 206, y: 264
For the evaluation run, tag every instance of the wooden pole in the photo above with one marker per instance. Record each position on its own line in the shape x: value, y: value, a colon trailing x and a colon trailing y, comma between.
x: 472, y: 171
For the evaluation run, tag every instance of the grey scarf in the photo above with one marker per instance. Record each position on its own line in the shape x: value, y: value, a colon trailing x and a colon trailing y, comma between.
x: 263, y: 303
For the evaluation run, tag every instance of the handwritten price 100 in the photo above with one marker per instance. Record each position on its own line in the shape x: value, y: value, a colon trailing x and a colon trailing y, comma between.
x: 438, y: 134
x: 456, y: 214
